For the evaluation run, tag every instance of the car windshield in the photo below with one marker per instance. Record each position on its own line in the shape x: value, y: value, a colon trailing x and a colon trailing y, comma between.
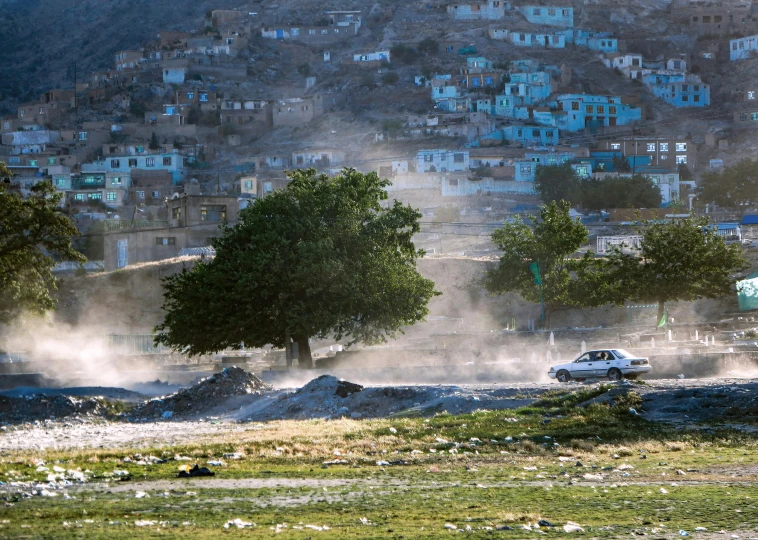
x: 621, y: 354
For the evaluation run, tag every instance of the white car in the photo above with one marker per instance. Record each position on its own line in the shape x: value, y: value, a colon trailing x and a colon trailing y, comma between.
x: 615, y: 364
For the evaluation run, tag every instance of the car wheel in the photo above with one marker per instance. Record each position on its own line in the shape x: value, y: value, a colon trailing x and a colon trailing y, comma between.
x: 615, y: 374
x: 563, y: 376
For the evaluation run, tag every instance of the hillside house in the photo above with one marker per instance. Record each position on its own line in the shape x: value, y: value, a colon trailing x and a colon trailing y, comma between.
x: 498, y: 33
x: 588, y: 111
x: 344, y: 18
x: 296, y: 111
x: 562, y: 16
x: 726, y: 17
x: 629, y: 64
x: 174, y: 70
x: 314, y: 35
x: 510, y: 106
x: 530, y: 39
x: 256, y: 114
x: 603, y: 44
x: 193, y: 221
x: 490, y: 10
x: 319, y: 158
x: 171, y: 162
x: 532, y: 88
x: 30, y: 141
x: 742, y: 48
x: 93, y: 187
x: 662, y: 152
x: 691, y: 92
x: 371, y: 58
x: 442, y: 161
x: 531, y: 135
x: 129, y: 60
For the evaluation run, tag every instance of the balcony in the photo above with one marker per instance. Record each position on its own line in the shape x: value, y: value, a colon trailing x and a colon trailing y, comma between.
x: 88, y: 182
x: 130, y: 224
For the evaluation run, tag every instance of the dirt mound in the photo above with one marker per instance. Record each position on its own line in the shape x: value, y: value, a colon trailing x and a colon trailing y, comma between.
x: 44, y: 407
x: 202, y: 396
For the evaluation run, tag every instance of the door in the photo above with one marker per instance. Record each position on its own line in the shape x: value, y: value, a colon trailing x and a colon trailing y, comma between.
x: 582, y: 367
x: 604, y: 361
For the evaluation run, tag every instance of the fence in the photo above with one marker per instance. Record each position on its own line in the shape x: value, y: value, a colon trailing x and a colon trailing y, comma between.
x: 124, y: 224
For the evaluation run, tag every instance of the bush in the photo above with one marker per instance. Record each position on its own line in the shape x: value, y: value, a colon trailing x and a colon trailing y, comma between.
x: 428, y: 46
x: 403, y: 53
x: 390, y: 78
x: 304, y: 70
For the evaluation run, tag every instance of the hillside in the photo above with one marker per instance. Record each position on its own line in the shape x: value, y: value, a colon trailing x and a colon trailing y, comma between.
x: 43, y: 39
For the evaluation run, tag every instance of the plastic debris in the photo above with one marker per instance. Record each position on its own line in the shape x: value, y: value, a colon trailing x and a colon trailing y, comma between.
x: 238, y: 523
x: 451, y: 527
x: 141, y: 495
x: 571, y: 527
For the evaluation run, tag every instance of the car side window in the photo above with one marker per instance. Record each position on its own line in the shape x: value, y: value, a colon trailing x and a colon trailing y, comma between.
x: 584, y: 358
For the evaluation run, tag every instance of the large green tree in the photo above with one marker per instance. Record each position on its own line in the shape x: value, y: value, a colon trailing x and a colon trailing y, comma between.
x: 34, y: 233
x: 552, y: 243
x: 680, y: 260
x: 322, y: 257
x: 731, y: 186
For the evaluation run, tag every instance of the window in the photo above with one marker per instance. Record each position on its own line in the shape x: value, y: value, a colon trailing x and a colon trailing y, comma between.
x: 312, y: 32
x: 116, y: 163
x: 42, y: 110
x: 79, y: 197
x: 453, y: 182
x: 203, y: 98
x: 294, y: 31
x: 83, y: 136
x: 95, y: 196
x: 6, y: 125
x: 22, y: 112
x: 681, y: 160
x: 428, y: 158
x: 754, y: 116
x: 664, y: 146
x: 150, y: 162
x: 663, y: 157
x: 685, y: 98
x: 132, y: 163
x: 601, y: 109
x: 526, y: 169
x: 696, y: 99
x: 681, y: 147
x: 116, y: 181
x: 672, y: 179
x: 551, y: 12
x: 213, y: 213
x: 581, y: 171
x: 751, y: 94
x: 140, y: 194
x: 111, y: 196
x: 190, y: 95
x: 717, y: 18
x: 176, y: 212
x: 268, y: 187
x: 615, y: 146
x: 536, y: 12
x: 536, y: 133
x: 656, y: 179
x: 156, y: 194
x: 33, y: 163
x: 140, y: 149
x: 651, y: 147
x: 612, y: 109
x: 696, y: 88
x: 589, y: 109
x: 458, y: 158
x: 165, y: 240
x: 167, y: 162
x: 706, y: 18
x: 60, y: 182
x: 51, y: 161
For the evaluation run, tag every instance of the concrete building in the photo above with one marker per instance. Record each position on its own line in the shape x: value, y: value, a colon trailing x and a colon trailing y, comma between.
x: 490, y: 10
x: 173, y: 163
x: 742, y: 48
x: 531, y: 135
x: 108, y: 188
x: 726, y: 17
x: 296, y: 111
x: 531, y: 39
x: 562, y: 16
x: 588, y: 111
x: 374, y: 57
x: 193, y: 221
x: 663, y: 152
x: 442, y: 161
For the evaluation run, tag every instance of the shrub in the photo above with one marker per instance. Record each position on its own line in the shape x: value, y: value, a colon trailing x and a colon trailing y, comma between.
x: 390, y: 78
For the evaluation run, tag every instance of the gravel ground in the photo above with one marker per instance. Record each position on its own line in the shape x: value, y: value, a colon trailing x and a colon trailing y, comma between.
x: 678, y: 401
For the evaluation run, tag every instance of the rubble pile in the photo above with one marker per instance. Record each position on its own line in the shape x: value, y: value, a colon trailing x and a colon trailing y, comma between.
x: 202, y: 396
x: 43, y: 407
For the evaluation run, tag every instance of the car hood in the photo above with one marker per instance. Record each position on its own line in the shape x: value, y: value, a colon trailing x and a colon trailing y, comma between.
x: 560, y: 366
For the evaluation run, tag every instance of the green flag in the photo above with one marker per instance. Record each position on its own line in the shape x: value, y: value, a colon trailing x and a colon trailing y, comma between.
x: 535, y: 268
x: 664, y: 318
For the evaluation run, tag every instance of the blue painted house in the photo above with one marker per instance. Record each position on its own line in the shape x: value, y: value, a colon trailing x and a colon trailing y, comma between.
x: 532, y: 88
x: 603, y: 44
x: 588, y: 111
x: 561, y: 16
x: 531, y: 135
x: 685, y: 94
x: 530, y: 39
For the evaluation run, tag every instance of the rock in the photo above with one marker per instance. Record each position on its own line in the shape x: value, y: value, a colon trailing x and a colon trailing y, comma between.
x: 345, y: 388
x: 355, y: 415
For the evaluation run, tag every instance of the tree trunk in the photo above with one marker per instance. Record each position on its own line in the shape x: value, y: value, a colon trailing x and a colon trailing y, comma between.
x: 304, y: 358
x: 661, y: 311
x: 548, y: 317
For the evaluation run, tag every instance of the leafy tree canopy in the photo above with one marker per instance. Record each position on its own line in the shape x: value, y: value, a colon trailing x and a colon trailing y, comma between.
x: 320, y: 257
x: 552, y: 243
x: 680, y: 260
x: 560, y: 182
x: 33, y: 231
x: 730, y: 186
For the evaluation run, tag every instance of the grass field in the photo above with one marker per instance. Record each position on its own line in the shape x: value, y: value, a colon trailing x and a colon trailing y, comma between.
x: 599, y: 466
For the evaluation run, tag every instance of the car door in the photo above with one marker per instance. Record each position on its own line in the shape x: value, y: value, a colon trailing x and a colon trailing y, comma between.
x: 582, y: 367
x: 602, y: 365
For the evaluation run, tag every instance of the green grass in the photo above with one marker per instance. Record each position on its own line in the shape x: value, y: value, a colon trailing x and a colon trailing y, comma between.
x: 485, y: 469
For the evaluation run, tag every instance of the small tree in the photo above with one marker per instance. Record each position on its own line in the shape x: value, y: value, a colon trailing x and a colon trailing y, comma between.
x: 320, y: 258
x: 390, y: 78
x: 680, y: 260
x: 620, y: 164
x: 34, y: 232
x: 731, y: 186
x: 552, y: 245
x: 154, y: 144
x: 428, y: 46
x: 618, y: 192
x: 556, y: 183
